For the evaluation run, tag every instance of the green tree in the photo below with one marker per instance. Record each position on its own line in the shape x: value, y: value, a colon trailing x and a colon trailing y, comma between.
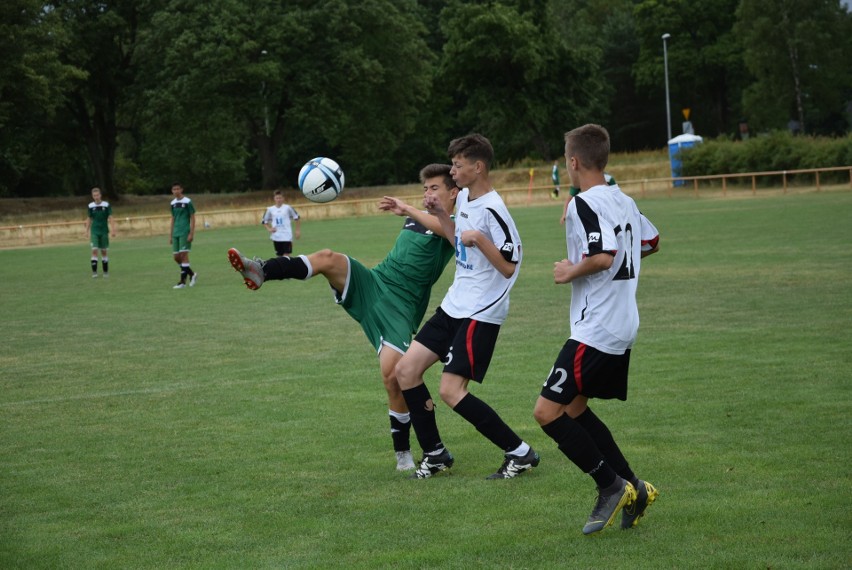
x: 32, y: 80
x: 283, y: 83
x: 799, y: 52
x: 103, y: 41
x: 516, y: 79
x: 706, y: 72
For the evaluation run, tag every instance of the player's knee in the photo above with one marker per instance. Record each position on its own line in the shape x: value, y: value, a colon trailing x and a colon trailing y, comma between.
x: 406, y: 374
x: 544, y: 412
x: 451, y: 394
x: 321, y: 260
x: 390, y: 381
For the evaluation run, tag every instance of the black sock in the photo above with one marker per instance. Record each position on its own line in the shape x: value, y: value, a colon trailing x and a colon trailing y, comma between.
x: 189, y: 271
x: 604, y: 441
x: 105, y: 264
x: 487, y: 422
x: 285, y: 268
x: 580, y: 448
x: 422, y: 410
x: 94, y: 265
x: 182, y: 274
x: 400, y: 433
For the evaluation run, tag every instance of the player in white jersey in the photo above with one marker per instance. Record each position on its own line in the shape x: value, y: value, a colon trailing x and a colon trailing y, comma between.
x: 463, y: 331
x: 278, y: 220
x: 607, y: 237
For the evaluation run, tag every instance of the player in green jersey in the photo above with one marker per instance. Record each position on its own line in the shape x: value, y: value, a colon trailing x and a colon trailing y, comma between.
x: 181, y: 234
x: 98, y: 230
x: 389, y: 300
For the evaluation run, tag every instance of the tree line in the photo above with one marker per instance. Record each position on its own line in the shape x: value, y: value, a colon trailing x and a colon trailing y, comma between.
x: 230, y: 95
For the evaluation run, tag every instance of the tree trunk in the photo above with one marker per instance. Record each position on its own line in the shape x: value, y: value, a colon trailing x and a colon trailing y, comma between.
x: 99, y: 133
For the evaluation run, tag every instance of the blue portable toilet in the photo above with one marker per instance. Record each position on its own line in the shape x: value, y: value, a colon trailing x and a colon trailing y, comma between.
x: 676, y: 145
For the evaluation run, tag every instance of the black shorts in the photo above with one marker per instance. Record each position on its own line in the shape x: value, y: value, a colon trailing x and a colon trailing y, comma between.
x: 465, y: 345
x: 582, y: 370
x: 283, y: 247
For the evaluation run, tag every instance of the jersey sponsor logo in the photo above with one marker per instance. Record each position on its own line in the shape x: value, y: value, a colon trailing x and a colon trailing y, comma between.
x: 594, y: 237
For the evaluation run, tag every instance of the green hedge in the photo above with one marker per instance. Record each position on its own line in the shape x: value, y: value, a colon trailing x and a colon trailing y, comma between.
x: 776, y: 151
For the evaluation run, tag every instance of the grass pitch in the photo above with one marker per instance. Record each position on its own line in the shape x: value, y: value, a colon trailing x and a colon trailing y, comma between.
x: 214, y: 427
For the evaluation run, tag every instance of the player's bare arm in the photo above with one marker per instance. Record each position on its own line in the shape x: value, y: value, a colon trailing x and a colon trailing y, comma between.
x: 475, y: 238
x: 564, y: 271
x: 645, y: 254
x: 437, y: 209
x: 401, y: 208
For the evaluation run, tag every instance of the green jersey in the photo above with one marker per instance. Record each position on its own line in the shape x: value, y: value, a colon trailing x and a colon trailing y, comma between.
x: 182, y: 212
x: 99, y: 212
x: 413, y: 265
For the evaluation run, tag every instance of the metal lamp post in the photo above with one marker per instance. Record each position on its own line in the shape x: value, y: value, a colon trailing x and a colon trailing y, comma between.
x: 668, y: 103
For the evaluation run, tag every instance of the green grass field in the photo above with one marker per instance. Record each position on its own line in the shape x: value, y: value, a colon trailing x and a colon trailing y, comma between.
x: 215, y: 427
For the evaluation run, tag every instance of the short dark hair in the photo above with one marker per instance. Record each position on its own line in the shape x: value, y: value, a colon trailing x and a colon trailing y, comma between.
x: 278, y: 193
x: 435, y: 170
x: 589, y: 144
x: 473, y: 146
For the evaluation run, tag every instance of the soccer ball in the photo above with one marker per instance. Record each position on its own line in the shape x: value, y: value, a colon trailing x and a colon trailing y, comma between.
x: 321, y: 180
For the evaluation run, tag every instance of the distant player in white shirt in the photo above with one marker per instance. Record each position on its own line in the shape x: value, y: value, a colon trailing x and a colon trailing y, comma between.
x: 278, y: 221
x: 607, y: 238
x: 463, y: 331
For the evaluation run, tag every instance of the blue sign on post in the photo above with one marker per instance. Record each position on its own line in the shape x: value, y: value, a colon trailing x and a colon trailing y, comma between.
x: 676, y: 145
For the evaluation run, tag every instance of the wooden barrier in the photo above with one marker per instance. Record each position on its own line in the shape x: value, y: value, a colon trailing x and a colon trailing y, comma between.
x: 66, y: 232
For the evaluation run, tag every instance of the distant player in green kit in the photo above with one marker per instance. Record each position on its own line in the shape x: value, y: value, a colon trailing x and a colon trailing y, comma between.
x: 181, y: 234
x: 97, y: 228
x: 389, y: 300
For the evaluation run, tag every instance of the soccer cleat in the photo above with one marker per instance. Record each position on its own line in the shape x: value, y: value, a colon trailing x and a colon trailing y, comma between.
x: 179, y: 286
x: 607, y: 506
x: 404, y: 461
x: 250, y: 269
x: 94, y: 275
x: 514, y: 465
x: 192, y: 279
x: 431, y: 464
x: 645, y: 495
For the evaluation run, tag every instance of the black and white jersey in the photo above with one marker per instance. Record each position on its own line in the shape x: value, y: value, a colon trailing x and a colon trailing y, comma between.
x: 603, y: 220
x: 479, y: 291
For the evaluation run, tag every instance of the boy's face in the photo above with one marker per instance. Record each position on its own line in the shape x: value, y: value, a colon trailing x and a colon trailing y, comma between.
x: 464, y: 171
x: 279, y: 199
x: 437, y: 188
x: 96, y: 195
x: 177, y: 191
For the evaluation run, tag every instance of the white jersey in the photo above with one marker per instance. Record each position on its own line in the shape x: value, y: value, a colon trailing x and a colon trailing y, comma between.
x: 604, y: 314
x: 479, y: 291
x: 280, y: 218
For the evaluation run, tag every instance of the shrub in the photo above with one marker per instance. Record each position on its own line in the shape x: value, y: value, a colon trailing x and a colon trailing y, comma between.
x: 778, y: 150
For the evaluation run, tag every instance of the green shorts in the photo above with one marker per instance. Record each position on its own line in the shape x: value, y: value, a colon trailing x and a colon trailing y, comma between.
x: 100, y: 241
x: 180, y: 243
x: 384, y: 318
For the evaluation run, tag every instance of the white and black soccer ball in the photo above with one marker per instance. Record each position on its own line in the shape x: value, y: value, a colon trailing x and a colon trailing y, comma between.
x: 321, y: 180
